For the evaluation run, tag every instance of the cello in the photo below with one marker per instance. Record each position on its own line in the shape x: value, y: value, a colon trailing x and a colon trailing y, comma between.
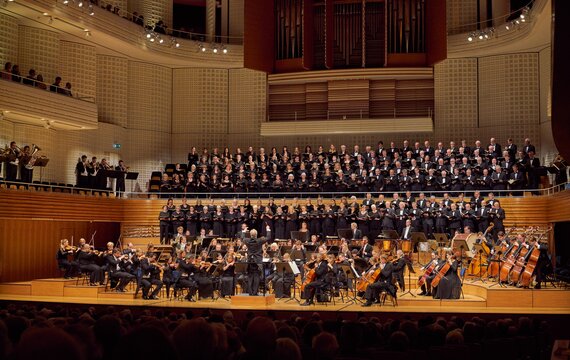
x: 530, y: 267
x: 369, y: 278
x: 441, y: 273
x: 427, y: 272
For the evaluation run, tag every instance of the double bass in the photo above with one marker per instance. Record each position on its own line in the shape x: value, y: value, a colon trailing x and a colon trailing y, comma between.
x: 495, y: 261
x: 530, y: 267
x: 475, y: 267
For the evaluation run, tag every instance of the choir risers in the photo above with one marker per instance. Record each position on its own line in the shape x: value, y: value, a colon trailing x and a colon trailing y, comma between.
x: 253, y: 301
x: 51, y: 287
x: 16, y: 288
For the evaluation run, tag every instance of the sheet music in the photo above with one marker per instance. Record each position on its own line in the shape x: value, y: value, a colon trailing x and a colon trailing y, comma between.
x: 294, y: 267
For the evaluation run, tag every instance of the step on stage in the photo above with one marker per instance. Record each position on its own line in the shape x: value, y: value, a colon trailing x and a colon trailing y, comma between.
x: 477, y: 297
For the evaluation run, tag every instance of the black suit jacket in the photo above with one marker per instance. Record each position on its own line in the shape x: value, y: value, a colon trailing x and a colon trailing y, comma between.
x: 356, y: 234
x: 255, y: 247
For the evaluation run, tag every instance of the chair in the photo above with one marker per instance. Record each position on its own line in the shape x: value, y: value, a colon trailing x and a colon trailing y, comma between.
x: 156, y: 175
x: 169, y: 169
x: 384, y: 294
x: 325, y: 294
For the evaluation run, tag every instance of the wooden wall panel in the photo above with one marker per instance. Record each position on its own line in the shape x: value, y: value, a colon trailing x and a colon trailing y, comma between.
x: 436, y: 31
x: 258, y: 37
x: 28, y: 247
x: 44, y: 205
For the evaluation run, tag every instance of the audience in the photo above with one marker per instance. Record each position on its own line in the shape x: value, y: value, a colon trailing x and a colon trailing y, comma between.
x: 12, y: 72
x: 61, y: 332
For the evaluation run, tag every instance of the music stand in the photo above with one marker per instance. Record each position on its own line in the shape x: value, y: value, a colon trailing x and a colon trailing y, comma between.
x: 418, y: 237
x: 353, y: 276
x: 390, y: 234
x: 132, y: 176
x: 462, y: 246
x: 303, y: 236
x: 441, y: 238
x: 410, y: 271
x: 478, y: 249
x: 344, y: 233
x: 285, y: 267
x: 41, y: 163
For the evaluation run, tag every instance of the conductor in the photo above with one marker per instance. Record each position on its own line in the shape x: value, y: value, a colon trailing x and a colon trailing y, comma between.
x: 255, y: 256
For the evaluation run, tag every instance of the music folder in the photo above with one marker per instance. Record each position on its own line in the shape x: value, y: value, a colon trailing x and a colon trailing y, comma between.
x: 390, y: 234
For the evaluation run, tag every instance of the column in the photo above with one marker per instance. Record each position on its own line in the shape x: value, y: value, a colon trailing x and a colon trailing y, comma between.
x: 210, y: 20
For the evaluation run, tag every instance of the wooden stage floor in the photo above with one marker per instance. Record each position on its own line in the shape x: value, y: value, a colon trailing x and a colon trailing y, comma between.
x: 479, y: 298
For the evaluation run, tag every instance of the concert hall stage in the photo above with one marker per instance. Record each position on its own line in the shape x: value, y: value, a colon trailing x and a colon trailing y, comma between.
x: 479, y: 298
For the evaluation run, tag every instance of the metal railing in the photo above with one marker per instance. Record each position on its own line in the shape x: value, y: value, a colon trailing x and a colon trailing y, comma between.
x: 71, y: 189
x: 355, y: 114
x: 488, y: 23
x: 178, y: 33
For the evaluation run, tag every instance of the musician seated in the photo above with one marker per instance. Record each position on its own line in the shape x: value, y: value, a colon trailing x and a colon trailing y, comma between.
x: 382, y: 283
x: 65, y: 259
x: 432, y: 267
x: 450, y: 285
x: 117, y: 271
x: 150, y: 277
x: 398, y: 266
x: 86, y: 259
x: 282, y: 282
x: 320, y: 272
x: 186, y: 280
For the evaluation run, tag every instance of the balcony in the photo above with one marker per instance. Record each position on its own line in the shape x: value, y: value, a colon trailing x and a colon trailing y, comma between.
x: 29, y: 105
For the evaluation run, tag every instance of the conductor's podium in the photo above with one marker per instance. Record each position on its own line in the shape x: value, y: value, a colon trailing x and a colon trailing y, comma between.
x: 261, y: 301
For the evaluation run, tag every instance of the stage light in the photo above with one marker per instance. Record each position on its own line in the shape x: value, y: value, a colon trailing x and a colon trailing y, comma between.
x: 481, y: 36
x: 151, y: 39
x: 160, y: 41
x: 225, y: 51
x: 65, y: 2
x: 148, y: 36
x: 215, y: 50
x: 177, y: 45
x: 80, y: 4
x: 91, y: 11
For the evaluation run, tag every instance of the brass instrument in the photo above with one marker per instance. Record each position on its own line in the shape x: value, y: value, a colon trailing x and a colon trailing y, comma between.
x: 18, y: 153
x: 33, y: 157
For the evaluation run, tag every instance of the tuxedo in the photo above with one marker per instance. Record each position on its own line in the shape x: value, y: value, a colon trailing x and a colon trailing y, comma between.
x: 407, y: 233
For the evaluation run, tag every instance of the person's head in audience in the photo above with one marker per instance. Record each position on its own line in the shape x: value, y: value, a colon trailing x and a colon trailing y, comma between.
x: 57, y: 81
x: 32, y: 74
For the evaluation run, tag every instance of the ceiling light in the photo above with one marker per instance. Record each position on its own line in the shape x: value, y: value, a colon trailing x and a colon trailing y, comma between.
x: 45, y: 14
x: 177, y: 45
x: 160, y: 41
x: 65, y: 2
x: 151, y: 39
x: 215, y: 50
x: 91, y: 11
x: 507, y: 26
x: 481, y: 36
x: 148, y: 36
x: 80, y: 4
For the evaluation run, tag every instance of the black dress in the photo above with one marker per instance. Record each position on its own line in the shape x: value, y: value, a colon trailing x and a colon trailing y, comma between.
x: 450, y: 286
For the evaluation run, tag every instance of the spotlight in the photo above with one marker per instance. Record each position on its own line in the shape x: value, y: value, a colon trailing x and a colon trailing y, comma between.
x: 215, y: 50
x: 517, y: 22
x: 225, y: 51
x: 148, y: 36
x: 80, y: 4
x: 160, y: 41
x: 507, y: 27
x: 481, y: 36
x: 91, y: 11
x: 471, y: 37
x: 65, y: 2
x: 486, y: 36
x: 177, y: 45
x: 202, y: 48
x: 151, y: 39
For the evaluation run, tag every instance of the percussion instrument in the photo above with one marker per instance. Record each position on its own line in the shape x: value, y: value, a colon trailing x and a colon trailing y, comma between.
x: 406, y: 246
x: 387, y: 245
